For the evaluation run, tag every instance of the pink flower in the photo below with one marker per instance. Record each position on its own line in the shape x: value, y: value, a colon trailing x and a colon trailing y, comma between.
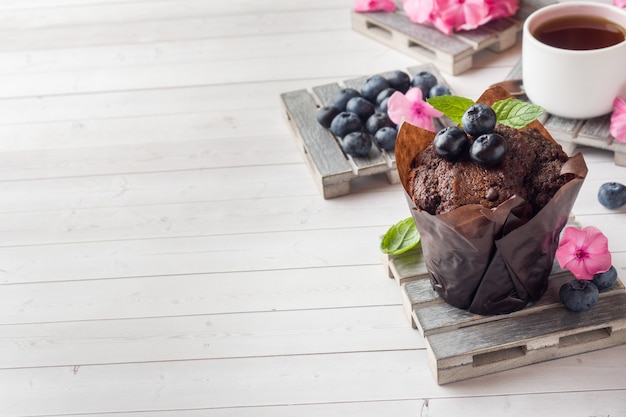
x: 464, y: 14
x: 502, y: 8
x: 374, y: 6
x: 420, y: 11
x: 619, y: 3
x: 412, y: 109
x: 618, y: 120
x: 454, y: 15
x: 584, y: 252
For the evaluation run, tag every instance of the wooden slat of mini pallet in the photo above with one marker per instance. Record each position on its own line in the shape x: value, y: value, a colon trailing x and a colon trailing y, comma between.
x: 571, y: 133
x: 331, y: 170
x: 518, y: 341
x: 406, y: 267
x: 432, y: 318
x: 598, y: 128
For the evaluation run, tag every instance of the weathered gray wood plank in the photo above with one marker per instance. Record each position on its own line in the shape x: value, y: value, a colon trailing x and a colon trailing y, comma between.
x: 519, y: 330
x: 598, y: 128
x: 320, y: 144
x: 330, y: 169
x: 537, y: 338
x: 408, y: 266
x: 441, y: 317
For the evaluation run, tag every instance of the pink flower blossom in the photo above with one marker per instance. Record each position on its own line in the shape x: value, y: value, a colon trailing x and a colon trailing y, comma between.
x: 584, y: 252
x: 498, y: 9
x: 618, y: 120
x: 374, y: 6
x: 455, y: 15
x: 464, y: 14
x: 420, y: 11
x: 411, y: 108
x: 619, y: 3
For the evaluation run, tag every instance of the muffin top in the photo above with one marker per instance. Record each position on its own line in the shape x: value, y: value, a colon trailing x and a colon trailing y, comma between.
x: 531, y: 169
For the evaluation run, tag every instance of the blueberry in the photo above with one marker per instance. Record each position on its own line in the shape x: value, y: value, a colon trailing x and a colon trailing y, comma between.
x: 439, y: 90
x: 342, y: 97
x: 605, y: 280
x: 451, y: 143
x: 612, y: 195
x: 383, y: 107
x: 424, y: 78
x: 578, y: 295
x: 357, y: 143
x: 479, y: 119
x: 372, y: 86
x: 385, y: 138
x: 345, y: 123
x: 361, y: 107
x: 488, y: 150
x: 326, y: 114
x: 377, y: 121
x: 386, y: 93
x: 399, y: 80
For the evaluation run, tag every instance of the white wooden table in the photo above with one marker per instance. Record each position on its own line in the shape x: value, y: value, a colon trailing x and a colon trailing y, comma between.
x: 165, y: 252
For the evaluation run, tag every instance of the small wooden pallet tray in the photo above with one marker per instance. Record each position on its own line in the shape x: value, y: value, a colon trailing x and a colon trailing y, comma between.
x: 453, y: 54
x: 331, y: 168
x: 572, y: 133
x: 462, y: 345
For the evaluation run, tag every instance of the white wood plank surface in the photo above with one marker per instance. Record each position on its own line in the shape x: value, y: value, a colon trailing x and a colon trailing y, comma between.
x: 278, y: 380
x: 164, y: 250
x: 205, y: 336
x: 195, y: 294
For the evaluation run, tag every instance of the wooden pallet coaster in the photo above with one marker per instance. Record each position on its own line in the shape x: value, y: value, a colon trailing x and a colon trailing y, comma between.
x: 461, y: 345
x: 573, y: 133
x: 452, y: 54
x: 331, y: 168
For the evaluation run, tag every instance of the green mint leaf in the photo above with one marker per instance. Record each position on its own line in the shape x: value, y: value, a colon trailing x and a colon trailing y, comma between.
x: 516, y: 113
x: 400, y: 237
x: 451, y: 106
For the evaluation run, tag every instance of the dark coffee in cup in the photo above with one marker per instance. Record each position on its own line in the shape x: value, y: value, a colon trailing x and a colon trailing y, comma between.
x: 579, y: 77
x: 580, y: 32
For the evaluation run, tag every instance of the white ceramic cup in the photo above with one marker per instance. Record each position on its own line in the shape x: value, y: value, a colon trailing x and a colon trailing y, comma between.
x: 576, y: 84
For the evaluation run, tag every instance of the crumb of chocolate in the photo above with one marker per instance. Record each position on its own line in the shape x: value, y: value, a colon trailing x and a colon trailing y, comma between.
x: 491, y: 194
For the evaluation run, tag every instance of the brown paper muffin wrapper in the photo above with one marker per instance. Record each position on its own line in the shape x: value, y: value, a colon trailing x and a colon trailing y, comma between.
x: 488, y: 261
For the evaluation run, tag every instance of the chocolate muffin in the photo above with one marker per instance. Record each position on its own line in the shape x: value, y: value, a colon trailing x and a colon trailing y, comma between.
x: 531, y: 170
x: 489, y: 234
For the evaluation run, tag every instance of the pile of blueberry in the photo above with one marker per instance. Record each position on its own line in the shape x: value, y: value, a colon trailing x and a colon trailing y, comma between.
x: 580, y: 295
x: 359, y: 117
x: 488, y: 148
